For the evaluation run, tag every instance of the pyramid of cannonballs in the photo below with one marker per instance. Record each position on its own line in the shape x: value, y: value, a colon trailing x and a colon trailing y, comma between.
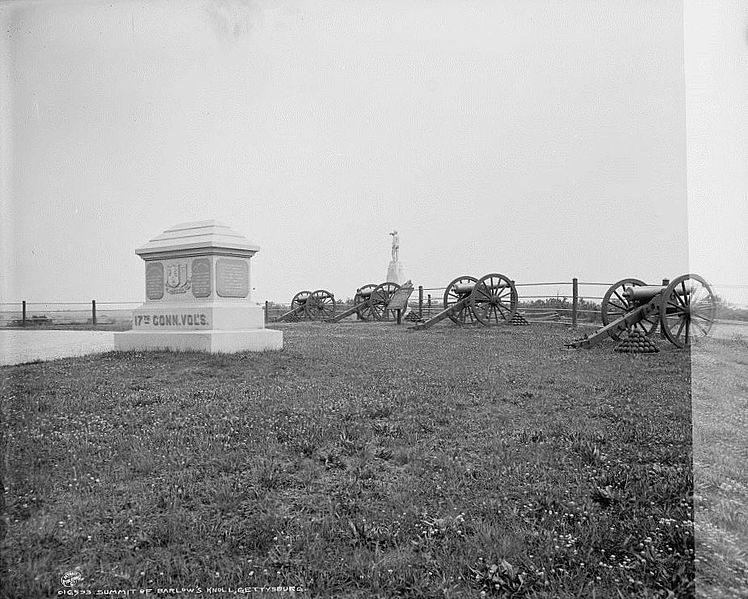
x: 293, y: 317
x: 636, y: 342
x: 413, y: 316
x: 518, y: 320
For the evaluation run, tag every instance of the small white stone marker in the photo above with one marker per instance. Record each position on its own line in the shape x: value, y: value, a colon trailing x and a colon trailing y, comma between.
x: 198, y: 294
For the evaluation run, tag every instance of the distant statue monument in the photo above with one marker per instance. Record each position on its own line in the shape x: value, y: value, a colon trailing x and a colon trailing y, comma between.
x: 395, y: 246
x: 395, y: 271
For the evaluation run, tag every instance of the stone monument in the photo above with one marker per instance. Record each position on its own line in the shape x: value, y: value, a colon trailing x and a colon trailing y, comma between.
x: 395, y: 271
x: 198, y: 294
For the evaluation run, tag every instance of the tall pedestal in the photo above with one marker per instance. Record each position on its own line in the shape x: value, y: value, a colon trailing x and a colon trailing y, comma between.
x: 198, y: 294
x: 395, y: 273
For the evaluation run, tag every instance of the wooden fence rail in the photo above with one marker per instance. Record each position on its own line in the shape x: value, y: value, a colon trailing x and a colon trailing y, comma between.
x: 426, y: 304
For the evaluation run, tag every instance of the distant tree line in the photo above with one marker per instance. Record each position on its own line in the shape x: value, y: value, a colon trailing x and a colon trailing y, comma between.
x: 587, y: 310
x: 727, y: 311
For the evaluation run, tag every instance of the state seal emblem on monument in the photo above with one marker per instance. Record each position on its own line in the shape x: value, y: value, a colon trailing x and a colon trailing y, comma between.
x: 177, y: 280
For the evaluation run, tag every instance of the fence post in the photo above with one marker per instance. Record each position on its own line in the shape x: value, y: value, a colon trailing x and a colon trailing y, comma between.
x: 93, y: 312
x: 23, y: 313
x: 266, y: 312
x: 420, y: 301
x: 429, y: 304
x: 574, y: 300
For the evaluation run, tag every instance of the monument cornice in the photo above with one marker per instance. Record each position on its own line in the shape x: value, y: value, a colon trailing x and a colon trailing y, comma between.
x: 193, y: 252
x: 196, y: 237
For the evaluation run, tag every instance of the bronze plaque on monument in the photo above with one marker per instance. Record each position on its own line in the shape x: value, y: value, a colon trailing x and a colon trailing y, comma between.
x: 201, y: 285
x: 232, y: 277
x: 154, y: 281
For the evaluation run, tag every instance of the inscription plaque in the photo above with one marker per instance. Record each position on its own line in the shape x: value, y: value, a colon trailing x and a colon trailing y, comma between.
x: 201, y: 285
x: 399, y: 299
x: 154, y: 281
x: 175, y: 320
x: 232, y: 277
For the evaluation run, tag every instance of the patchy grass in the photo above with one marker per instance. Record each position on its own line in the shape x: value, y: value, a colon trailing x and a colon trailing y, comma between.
x: 720, y: 429
x: 364, y: 460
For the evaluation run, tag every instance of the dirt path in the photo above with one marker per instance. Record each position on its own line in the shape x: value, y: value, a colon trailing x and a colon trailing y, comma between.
x: 17, y: 347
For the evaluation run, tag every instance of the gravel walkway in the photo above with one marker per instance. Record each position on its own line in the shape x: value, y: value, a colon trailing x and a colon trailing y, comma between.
x: 17, y: 347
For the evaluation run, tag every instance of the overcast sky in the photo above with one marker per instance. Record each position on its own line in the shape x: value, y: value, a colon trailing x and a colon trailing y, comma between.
x: 540, y: 139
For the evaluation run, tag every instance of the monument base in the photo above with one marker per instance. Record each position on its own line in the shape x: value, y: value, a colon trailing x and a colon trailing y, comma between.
x: 208, y: 341
x: 395, y: 273
x: 203, y: 316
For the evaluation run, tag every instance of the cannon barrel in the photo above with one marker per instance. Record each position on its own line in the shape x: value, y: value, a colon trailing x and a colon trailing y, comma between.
x: 645, y: 293
x: 642, y: 293
x: 465, y: 288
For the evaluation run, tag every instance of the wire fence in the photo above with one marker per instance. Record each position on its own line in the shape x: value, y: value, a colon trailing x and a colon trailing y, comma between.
x: 574, y: 302
x: 563, y: 306
x: 100, y: 315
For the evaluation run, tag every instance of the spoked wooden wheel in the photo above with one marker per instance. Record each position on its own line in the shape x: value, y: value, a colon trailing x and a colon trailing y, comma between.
x: 380, y: 297
x: 494, y: 299
x: 457, y: 291
x: 320, y: 305
x: 364, y: 313
x: 688, y: 309
x: 298, y: 303
x: 616, y: 304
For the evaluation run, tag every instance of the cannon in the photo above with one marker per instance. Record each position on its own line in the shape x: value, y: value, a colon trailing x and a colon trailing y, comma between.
x: 490, y: 300
x: 683, y: 309
x: 310, y: 305
x: 370, y: 303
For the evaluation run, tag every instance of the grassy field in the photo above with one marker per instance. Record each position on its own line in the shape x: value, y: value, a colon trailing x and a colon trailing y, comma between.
x: 720, y: 430
x: 364, y: 460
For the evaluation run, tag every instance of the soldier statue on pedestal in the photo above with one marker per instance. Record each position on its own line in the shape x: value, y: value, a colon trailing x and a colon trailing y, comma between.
x: 395, y: 246
x: 395, y: 271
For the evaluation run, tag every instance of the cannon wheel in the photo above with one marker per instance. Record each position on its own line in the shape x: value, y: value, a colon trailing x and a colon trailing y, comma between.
x: 615, y: 305
x: 298, y: 303
x: 688, y: 309
x: 365, y: 312
x: 380, y: 297
x: 494, y: 299
x: 320, y: 305
x: 451, y: 297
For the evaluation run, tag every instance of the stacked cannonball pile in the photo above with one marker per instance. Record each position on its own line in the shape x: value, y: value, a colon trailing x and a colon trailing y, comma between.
x: 636, y: 342
x: 518, y: 320
x: 413, y: 316
x: 293, y: 317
